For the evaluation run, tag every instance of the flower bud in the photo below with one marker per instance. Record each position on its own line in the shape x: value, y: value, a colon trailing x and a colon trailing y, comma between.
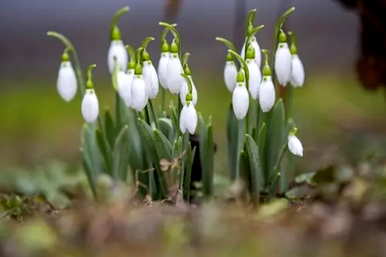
x: 188, y: 118
x: 124, y: 81
x: 138, y: 93
x: 240, y: 98
x: 151, y: 79
x: 297, y: 71
x: 230, y: 74
x: 66, y: 83
x: 90, y: 106
x: 266, y: 94
x: 294, y: 145
x: 184, y: 92
x: 163, y: 69
x: 117, y: 55
x: 174, y: 71
x: 254, y: 78
x: 283, y: 63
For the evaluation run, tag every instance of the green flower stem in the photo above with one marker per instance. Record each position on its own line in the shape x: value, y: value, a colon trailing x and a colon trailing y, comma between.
x: 185, y: 58
x: 154, y: 114
x: 280, y: 23
x: 175, y: 33
x: 227, y: 43
x: 250, y: 18
x: 118, y: 14
x: 165, y: 31
x: 186, y: 77
x: 243, y: 64
x: 71, y: 49
x: 131, y: 51
x: 146, y: 42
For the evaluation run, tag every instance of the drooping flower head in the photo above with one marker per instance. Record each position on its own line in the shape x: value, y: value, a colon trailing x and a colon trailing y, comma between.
x: 66, y: 83
x: 90, y: 104
x: 230, y: 73
x: 240, y: 97
x: 267, y: 89
x: 254, y: 73
x: 188, y: 116
x: 163, y: 64
x: 149, y: 73
x: 117, y: 54
x: 283, y: 60
x: 174, y: 70
x: 139, y: 96
x: 294, y: 144
x: 297, y: 68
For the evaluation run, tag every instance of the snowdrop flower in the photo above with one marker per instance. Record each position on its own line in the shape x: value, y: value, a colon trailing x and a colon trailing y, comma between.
x: 150, y: 76
x: 230, y: 73
x: 255, y: 45
x: 294, y: 144
x: 66, y: 83
x: 297, y: 69
x: 117, y: 54
x: 90, y: 105
x: 267, y: 89
x: 139, y: 96
x: 185, y: 87
x: 254, y: 74
x: 283, y: 60
x: 174, y: 71
x: 188, y: 116
x: 240, y: 97
x: 163, y: 64
x: 124, y: 81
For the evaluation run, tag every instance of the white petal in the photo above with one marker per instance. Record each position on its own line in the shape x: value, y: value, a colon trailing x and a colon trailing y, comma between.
x: 188, y: 119
x: 163, y: 69
x: 66, y: 83
x: 124, y: 81
x: 267, y: 94
x: 297, y: 73
x: 283, y: 64
x: 185, y: 90
x: 138, y: 93
x: 240, y: 101
x: 174, y: 71
x: 295, y: 146
x: 255, y: 46
x: 151, y: 79
x: 117, y: 50
x: 230, y: 75
x: 90, y: 106
x: 254, y: 79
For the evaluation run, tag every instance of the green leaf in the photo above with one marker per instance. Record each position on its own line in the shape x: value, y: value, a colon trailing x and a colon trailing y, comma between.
x: 256, y: 176
x: 206, y: 155
x: 188, y: 172
x: 166, y: 126
x: 261, y: 142
x: 234, y: 131
x: 162, y: 145
x: 91, y: 155
x: 120, y: 155
x: 275, y: 137
x: 109, y: 128
x: 105, y: 150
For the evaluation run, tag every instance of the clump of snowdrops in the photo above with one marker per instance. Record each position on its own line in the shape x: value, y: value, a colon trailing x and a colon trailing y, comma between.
x: 155, y: 149
x: 261, y: 131
x: 151, y: 147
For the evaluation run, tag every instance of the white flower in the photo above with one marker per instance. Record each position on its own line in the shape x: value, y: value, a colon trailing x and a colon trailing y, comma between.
x: 185, y: 90
x: 267, y: 94
x: 174, y: 71
x: 163, y: 69
x: 66, y: 83
x: 151, y: 79
x: 230, y: 74
x: 294, y: 145
x: 283, y: 64
x: 188, y: 119
x: 138, y: 93
x: 117, y: 54
x: 90, y: 106
x: 256, y: 47
x: 240, y: 100
x: 124, y: 81
x: 254, y: 78
x: 297, y: 73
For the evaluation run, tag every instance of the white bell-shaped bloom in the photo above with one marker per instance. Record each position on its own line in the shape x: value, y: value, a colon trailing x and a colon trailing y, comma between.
x: 66, y: 83
x: 138, y: 93
x: 294, y: 145
x: 230, y: 75
x: 257, y: 49
x: 174, y: 71
x: 117, y: 54
x: 188, y: 119
x: 283, y: 64
x: 90, y: 106
x: 240, y: 100
x: 185, y: 91
x: 297, y: 71
x: 151, y: 79
x: 266, y: 94
x: 124, y: 81
x: 254, y: 78
x: 163, y: 69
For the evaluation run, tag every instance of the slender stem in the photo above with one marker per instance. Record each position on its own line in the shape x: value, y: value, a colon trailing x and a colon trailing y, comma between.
x: 242, y: 64
x: 227, y: 43
x: 175, y: 33
x: 163, y: 96
x: 155, y: 119
x: 117, y: 16
x: 78, y: 69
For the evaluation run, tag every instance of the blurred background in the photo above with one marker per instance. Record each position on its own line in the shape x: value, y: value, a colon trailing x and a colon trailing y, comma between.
x: 339, y: 118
